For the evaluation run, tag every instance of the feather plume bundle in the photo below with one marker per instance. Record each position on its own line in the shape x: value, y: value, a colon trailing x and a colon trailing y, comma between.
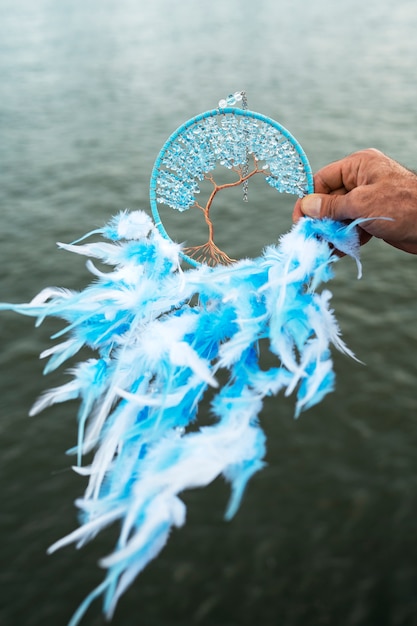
x: 160, y: 337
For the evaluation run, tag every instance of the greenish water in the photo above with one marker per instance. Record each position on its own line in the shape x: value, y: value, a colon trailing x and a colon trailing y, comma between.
x: 90, y: 91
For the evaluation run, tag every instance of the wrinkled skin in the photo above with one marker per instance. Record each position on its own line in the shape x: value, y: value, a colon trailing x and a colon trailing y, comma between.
x: 367, y: 184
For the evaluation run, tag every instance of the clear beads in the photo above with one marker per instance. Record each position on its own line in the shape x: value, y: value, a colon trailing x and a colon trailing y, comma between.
x: 227, y: 140
x: 231, y: 100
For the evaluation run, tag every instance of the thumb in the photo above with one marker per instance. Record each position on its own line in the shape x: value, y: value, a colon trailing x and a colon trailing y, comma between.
x: 325, y: 205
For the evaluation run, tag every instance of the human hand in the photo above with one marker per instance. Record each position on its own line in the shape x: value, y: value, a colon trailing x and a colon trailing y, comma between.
x: 367, y: 184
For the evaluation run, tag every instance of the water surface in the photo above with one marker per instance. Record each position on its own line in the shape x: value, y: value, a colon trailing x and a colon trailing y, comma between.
x: 89, y: 93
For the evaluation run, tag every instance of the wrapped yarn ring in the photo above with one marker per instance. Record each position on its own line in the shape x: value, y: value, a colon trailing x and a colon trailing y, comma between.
x: 240, y: 140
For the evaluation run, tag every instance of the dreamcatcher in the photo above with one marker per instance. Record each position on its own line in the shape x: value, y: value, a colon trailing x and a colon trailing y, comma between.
x: 162, y: 334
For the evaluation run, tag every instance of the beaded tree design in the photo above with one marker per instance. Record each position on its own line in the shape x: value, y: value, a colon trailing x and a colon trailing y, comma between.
x: 246, y: 143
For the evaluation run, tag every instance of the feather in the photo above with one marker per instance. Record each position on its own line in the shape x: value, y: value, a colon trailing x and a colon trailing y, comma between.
x: 156, y: 356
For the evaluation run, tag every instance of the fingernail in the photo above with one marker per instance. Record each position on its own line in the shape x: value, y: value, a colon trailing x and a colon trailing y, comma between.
x: 311, y: 205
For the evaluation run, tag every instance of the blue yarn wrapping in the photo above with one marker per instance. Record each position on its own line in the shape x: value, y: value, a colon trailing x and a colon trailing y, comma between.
x: 160, y: 336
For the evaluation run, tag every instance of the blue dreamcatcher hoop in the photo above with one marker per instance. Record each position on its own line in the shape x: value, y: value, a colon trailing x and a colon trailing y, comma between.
x: 160, y: 336
x: 246, y: 143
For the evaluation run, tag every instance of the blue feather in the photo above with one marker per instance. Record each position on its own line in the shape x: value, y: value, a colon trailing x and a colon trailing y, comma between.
x: 156, y: 358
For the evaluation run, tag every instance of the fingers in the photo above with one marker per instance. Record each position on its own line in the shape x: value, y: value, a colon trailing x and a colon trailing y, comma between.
x: 367, y: 184
x: 335, y: 206
x: 330, y: 178
x: 336, y: 187
x: 361, y: 167
x: 335, y: 179
x: 297, y: 213
x: 311, y: 205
